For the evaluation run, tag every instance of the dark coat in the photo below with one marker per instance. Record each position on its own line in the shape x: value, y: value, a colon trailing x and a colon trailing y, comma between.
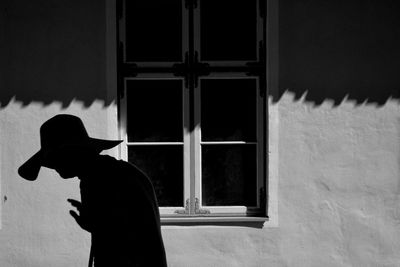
x: 121, y: 208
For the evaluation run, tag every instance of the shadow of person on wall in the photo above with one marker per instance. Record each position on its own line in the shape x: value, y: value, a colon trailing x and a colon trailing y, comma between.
x: 118, y: 205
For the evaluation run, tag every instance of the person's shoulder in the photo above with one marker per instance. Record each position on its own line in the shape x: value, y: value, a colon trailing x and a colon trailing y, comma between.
x: 121, y: 167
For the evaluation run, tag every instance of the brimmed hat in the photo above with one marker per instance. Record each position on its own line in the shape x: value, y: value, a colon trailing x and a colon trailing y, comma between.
x: 61, y: 131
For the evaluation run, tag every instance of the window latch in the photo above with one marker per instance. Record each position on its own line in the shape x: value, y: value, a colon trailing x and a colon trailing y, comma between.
x: 186, y: 210
x: 197, y: 209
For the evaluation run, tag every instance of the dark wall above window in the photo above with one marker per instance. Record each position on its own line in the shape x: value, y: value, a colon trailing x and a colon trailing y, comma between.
x: 336, y: 48
x: 53, y: 51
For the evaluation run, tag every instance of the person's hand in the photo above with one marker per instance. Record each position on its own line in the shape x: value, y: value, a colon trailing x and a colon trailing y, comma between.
x: 82, y: 218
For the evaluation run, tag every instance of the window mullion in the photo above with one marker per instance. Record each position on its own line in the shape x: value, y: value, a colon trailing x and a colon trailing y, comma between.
x: 187, y: 148
x: 197, y: 149
x: 192, y: 70
x: 260, y: 146
x: 196, y: 30
x: 123, y: 150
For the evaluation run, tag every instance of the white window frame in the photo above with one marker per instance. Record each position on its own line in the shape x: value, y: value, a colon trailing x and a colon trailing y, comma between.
x: 220, y: 63
x: 155, y: 63
x: 271, y: 115
x: 164, y: 211
x: 230, y: 210
x: 192, y: 142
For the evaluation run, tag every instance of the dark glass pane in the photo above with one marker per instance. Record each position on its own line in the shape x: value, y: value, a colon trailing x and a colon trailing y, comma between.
x: 153, y: 30
x: 164, y: 166
x: 229, y: 175
x: 228, y: 109
x: 154, y: 110
x: 228, y: 30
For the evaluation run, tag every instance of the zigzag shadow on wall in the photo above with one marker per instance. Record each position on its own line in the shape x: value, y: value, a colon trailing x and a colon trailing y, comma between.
x: 52, y: 52
x: 345, y: 50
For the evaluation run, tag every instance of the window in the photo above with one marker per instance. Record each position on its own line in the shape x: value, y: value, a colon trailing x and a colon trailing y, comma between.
x: 192, y: 103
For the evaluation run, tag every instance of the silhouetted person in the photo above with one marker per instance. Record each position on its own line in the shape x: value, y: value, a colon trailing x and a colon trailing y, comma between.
x: 118, y: 204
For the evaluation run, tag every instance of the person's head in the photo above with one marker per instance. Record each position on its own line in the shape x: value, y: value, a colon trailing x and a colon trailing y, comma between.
x: 70, y: 161
x: 65, y: 147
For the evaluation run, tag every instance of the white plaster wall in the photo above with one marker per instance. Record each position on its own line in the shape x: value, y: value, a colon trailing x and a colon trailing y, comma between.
x: 339, y: 183
x: 338, y: 201
x: 333, y: 171
x: 37, y: 229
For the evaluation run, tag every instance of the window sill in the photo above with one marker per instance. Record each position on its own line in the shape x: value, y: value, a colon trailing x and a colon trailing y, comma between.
x: 255, y: 222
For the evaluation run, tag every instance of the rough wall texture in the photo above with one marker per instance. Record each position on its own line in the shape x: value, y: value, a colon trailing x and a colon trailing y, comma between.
x: 37, y: 229
x: 339, y: 184
x: 336, y: 138
x: 338, y: 194
x: 339, y: 202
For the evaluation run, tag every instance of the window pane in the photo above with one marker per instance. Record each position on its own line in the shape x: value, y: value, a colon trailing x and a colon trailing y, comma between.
x: 154, y: 30
x: 229, y: 175
x: 164, y: 166
x: 154, y: 110
x: 228, y: 109
x: 228, y: 30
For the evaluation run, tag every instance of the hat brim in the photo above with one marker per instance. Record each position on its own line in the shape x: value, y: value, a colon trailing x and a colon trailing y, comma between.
x: 30, y: 169
x: 101, y: 144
